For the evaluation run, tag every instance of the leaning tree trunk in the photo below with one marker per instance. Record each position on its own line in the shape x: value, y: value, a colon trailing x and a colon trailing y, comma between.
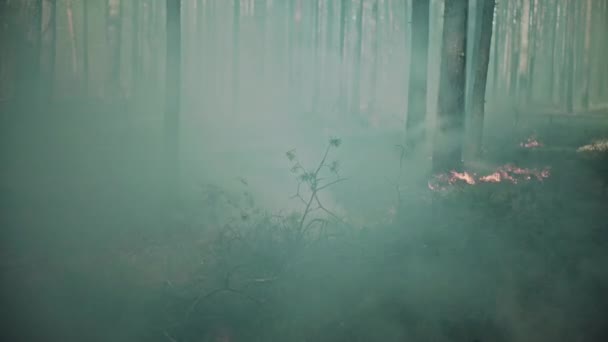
x: 173, y: 95
x: 447, y: 147
x: 416, y: 99
x: 480, y: 77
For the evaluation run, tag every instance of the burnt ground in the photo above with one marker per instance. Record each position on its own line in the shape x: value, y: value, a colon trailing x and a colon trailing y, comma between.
x: 88, y: 252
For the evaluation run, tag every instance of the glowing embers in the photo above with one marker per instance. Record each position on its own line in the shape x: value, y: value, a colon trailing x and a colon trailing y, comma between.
x: 596, y: 146
x: 506, y: 173
x: 531, y: 142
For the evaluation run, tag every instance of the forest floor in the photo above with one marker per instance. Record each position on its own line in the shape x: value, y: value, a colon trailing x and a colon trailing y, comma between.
x: 89, y: 254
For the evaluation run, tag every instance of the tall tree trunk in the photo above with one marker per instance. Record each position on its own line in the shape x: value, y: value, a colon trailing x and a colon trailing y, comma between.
x: 37, y: 46
x: 329, y: 62
x: 260, y: 14
x: 173, y: 94
x: 480, y: 77
x: 343, y: 19
x: 524, y: 52
x: 356, y: 95
x: 586, y: 72
x: 85, y: 46
x: 496, y: 42
x: 376, y: 49
x: 553, y: 22
x: 515, y: 48
x: 569, y: 65
x: 534, y: 43
x: 50, y: 88
x: 136, y: 59
x: 72, y: 31
x: 289, y: 28
x: 236, y: 31
x: 210, y: 49
x: 416, y: 99
x: 315, y: 58
x: 114, y: 35
x: 447, y: 147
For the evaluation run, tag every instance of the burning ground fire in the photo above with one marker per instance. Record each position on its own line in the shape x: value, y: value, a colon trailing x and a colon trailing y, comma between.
x: 506, y: 173
x: 531, y: 143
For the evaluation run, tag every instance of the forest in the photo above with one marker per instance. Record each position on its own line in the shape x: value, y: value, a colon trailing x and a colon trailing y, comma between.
x: 304, y: 170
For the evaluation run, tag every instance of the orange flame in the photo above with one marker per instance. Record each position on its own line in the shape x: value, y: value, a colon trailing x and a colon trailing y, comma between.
x: 530, y: 143
x: 506, y: 173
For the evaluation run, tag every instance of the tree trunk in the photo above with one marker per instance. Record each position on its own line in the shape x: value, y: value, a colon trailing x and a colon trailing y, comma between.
x: 50, y: 87
x: 586, y: 72
x: 236, y: 30
x: 315, y: 58
x: 480, y: 78
x: 553, y: 22
x: 376, y: 49
x: 497, y: 34
x: 524, y: 39
x: 37, y: 44
x: 173, y: 93
x: 534, y: 43
x: 343, y: 19
x: 114, y: 30
x: 569, y: 65
x: 356, y: 94
x: 85, y: 46
x: 416, y: 99
x: 260, y: 14
x: 447, y: 147
x: 72, y: 31
x: 136, y: 60
x: 515, y: 49
x: 329, y: 64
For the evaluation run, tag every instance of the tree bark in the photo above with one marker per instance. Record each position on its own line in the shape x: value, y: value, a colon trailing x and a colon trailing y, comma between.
x: 498, y: 35
x: 524, y: 52
x: 315, y: 56
x: 260, y: 14
x: 376, y: 49
x: 135, y: 52
x: 553, y: 22
x: 569, y: 65
x: 417, y: 92
x: 480, y: 77
x: 586, y: 72
x: 236, y: 30
x: 85, y: 46
x: 342, y: 87
x: 173, y: 93
x: 515, y: 48
x: 114, y: 35
x: 534, y: 43
x: 37, y: 42
x: 447, y: 147
x: 356, y: 94
x: 50, y: 87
